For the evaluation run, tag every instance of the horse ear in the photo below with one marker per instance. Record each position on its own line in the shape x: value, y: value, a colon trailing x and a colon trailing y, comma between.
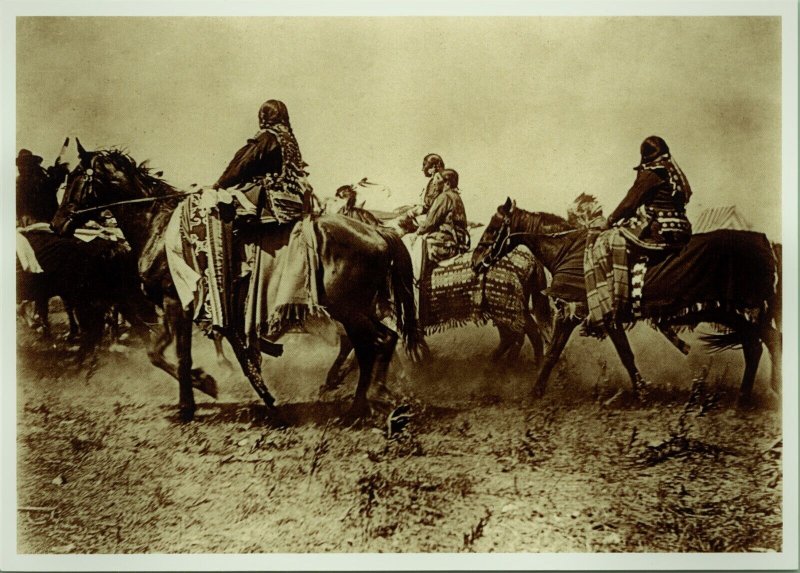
x: 81, y: 151
x: 507, y: 206
x: 513, y: 206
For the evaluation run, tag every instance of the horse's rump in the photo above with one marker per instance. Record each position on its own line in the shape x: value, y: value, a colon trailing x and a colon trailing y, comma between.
x: 454, y: 295
x: 726, y: 269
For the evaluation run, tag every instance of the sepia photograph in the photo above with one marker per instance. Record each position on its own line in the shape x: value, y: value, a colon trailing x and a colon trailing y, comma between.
x: 433, y: 286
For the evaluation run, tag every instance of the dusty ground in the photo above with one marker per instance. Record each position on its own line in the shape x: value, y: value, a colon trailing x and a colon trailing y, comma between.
x: 477, y: 469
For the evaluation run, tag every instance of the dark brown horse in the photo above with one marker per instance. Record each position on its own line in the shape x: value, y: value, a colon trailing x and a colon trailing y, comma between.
x: 740, y: 294
x: 91, y: 278
x: 354, y: 262
x: 536, y: 307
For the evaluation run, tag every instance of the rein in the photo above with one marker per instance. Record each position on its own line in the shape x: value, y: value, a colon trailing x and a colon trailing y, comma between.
x: 499, y: 244
x: 140, y: 200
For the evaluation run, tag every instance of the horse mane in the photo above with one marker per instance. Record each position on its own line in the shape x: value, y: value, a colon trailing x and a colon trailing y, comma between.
x: 540, y: 223
x: 147, y: 184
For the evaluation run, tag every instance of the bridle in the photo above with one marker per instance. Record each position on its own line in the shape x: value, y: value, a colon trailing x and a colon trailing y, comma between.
x: 502, y: 241
x: 499, y: 244
x: 87, y: 190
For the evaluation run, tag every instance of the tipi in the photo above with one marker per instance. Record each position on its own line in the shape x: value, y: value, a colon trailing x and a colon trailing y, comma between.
x: 714, y: 218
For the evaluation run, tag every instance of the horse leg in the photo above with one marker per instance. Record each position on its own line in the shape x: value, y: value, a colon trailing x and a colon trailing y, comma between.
x: 535, y: 337
x: 41, y: 307
x: 515, y: 347
x: 365, y: 337
x: 73, y: 324
x: 91, y: 321
x: 222, y: 360
x: 113, y: 320
x: 751, y: 345
x: 182, y: 326
x: 250, y: 360
x: 341, y: 367
x: 506, y: 340
x: 157, y: 344
x: 620, y: 341
x: 772, y: 338
x: 389, y: 342
x: 562, y: 329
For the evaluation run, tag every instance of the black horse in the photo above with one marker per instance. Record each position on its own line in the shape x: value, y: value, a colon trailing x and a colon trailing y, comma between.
x: 536, y: 307
x: 91, y: 279
x: 354, y: 262
x: 730, y: 279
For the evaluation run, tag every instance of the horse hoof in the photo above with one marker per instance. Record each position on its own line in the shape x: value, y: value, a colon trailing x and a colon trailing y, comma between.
x: 186, y: 415
x: 538, y: 392
x: 205, y: 383
x: 356, y: 414
x: 276, y: 418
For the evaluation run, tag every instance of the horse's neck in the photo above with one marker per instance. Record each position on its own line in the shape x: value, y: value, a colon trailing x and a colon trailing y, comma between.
x: 546, y: 249
x: 524, y: 222
x: 141, y: 222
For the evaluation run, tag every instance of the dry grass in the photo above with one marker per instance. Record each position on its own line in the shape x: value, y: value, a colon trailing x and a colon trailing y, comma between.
x: 475, y: 469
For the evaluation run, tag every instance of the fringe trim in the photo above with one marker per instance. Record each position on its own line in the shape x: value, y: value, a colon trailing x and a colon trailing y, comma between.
x: 477, y: 320
x: 293, y: 316
x: 752, y: 315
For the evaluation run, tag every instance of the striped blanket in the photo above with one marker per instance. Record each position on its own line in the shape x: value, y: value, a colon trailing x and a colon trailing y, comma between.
x: 607, y: 278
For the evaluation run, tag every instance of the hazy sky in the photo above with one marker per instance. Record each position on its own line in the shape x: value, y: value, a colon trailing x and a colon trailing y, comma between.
x: 538, y: 108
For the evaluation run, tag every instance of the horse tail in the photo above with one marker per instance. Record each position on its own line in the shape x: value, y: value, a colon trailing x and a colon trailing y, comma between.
x: 402, y: 277
x: 724, y: 341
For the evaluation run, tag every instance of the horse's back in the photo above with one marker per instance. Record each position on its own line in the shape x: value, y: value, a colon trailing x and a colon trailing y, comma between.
x: 724, y: 266
x: 357, y: 236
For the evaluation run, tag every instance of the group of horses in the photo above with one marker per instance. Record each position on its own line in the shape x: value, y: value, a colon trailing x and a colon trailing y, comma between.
x: 356, y: 262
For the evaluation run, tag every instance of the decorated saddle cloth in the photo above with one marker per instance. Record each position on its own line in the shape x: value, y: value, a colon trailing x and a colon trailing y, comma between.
x: 279, y: 263
x: 452, y: 295
x: 606, y: 274
x: 732, y: 270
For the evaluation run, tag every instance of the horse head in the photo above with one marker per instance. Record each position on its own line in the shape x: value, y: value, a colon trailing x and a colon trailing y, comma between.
x: 100, y: 178
x: 495, y: 241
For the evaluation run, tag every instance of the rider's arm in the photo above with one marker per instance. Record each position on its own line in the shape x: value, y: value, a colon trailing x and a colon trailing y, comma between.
x: 436, y: 215
x: 248, y: 162
x: 645, y: 181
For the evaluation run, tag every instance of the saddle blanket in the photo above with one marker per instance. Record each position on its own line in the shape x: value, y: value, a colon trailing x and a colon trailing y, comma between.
x: 452, y: 295
x: 279, y: 263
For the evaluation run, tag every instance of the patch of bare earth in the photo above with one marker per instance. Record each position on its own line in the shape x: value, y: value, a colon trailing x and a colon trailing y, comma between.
x: 104, y: 467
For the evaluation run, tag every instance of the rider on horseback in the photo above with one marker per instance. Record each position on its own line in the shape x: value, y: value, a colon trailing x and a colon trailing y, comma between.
x: 446, y: 223
x: 244, y: 220
x: 432, y: 167
x: 651, y: 219
x: 268, y: 172
x: 653, y: 213
x: 37, y: 188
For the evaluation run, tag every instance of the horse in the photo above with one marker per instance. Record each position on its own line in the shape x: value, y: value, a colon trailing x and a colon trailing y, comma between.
x: 354, y: 261
x: 536, y: 305
x: 537, y: 310
x: 91, y: 278
x: 746, y: 321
